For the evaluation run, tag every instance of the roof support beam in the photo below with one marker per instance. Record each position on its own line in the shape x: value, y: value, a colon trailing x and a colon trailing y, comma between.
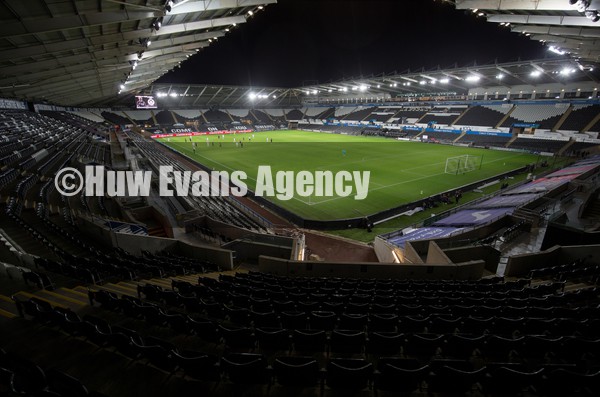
x: 79, y: 44
x: 501, y: 5
x: 210, y: 5
x: 169, y: 29
x: 55, y: 24
x: 542, y: 20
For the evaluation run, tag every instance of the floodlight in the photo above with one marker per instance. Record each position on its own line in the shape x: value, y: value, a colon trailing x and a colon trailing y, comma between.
x: 582, y: 5
x: 593, y: 16
x: 473, y: 78
x: 536, y: 73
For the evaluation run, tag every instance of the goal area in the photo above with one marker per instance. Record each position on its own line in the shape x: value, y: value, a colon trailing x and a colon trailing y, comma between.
x: 462, y: 164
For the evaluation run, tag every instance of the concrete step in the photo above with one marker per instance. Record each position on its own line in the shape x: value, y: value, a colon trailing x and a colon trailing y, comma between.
x: 117, y: 290
x: 72, y: 295
x: 188, y: 278
x: 84, y: 290
x: 74, y: 304
x: 124, y: 287
x: 52, y: 301
x: 7, y: 307
x: 6, y: 314
x: 159, y: 282
x: 128, y: 284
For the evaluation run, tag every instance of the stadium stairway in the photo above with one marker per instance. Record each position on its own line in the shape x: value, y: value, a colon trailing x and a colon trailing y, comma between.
x: 563, y: 149
x: 7, y: 307
x: 514, y: 138
x: 591, y: 124
x: 460, y: 136
x: 506, y: 116
x: 564, y: 117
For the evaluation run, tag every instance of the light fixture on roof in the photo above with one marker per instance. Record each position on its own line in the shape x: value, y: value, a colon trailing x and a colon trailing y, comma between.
x: 172, y: 94
x: 593, y: 16
x: 535, y: 73
x: 581, y: 5
x: 422, y: 82
x: 499, y: 76
x: 122, y: 86
x: 473, y: 78
x: 444, y: 81
x: 567, y: 71
x: 148, y: 42
x: 378, y: 85
x: 250, y: 12
x: 260, y: 7
x: 556, y: 50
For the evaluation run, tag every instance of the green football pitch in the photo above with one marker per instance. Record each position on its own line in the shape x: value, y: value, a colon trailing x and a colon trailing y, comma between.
x: 400, y: 171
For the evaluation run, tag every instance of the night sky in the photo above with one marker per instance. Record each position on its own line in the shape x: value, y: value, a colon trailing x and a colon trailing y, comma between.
x: 301, y: 42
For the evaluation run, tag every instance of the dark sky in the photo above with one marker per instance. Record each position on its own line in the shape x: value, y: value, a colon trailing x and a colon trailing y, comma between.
x: 300, y: 42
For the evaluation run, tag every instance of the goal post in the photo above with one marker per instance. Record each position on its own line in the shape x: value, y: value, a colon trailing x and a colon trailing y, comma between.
x: 462, y: 164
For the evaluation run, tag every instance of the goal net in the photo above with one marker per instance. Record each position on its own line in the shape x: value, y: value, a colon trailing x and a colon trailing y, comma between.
x: 462, y: 164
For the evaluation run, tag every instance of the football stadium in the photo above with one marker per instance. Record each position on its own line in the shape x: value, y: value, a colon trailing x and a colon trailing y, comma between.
x: 291, y: 197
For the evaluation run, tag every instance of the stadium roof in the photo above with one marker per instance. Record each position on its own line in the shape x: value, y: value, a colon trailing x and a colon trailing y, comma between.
x: 80, y: 53
x: 569, y: 28
x: 459, y: 80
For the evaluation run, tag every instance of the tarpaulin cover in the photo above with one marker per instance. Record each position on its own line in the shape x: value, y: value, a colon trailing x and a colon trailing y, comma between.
x: 423, y: 234
x: 515, y: 200
x: 543, y: 184
x: 473, y: 217
x: 582, y: 169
